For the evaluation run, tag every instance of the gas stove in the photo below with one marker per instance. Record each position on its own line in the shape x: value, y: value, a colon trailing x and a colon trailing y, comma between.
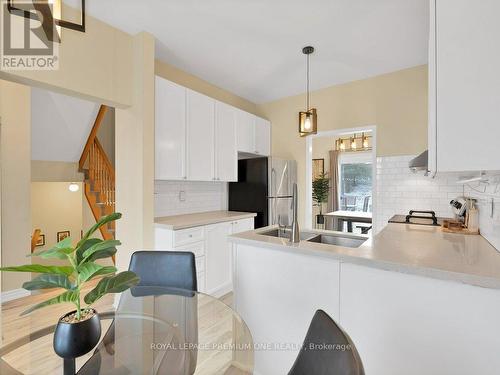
x: 418, y: 217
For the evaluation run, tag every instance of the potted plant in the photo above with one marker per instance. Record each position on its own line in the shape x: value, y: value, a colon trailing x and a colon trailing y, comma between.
x: 78, y: 331
x: 320, y: 190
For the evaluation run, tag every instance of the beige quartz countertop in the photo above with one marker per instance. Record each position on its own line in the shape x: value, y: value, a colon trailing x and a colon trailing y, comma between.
x: 412, y: 249
x: 203, y: 218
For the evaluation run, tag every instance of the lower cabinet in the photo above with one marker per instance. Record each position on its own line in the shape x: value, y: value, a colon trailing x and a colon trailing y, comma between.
x: 210, y: 246
x: 218, y: 276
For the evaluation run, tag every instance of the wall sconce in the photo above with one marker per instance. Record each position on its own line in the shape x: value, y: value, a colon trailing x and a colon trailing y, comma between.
x: 51, y: 11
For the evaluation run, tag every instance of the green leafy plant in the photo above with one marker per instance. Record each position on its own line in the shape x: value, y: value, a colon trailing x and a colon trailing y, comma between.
x: 81, y: 269
x: 320, y: 190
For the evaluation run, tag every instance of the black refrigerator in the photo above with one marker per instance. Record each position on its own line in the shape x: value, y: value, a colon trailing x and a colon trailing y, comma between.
x: 265, y: 187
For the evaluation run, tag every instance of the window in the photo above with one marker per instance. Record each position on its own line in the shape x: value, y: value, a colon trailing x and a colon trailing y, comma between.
x: 355, y: 180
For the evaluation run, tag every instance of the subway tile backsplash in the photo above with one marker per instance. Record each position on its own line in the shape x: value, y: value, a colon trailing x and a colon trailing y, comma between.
x: 186, y: 197
x: 399, y: 190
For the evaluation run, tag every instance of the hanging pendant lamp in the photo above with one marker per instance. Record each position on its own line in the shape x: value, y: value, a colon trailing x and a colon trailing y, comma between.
x: 308, y: 119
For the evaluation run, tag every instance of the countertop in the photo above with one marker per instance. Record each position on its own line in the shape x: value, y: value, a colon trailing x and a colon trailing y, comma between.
x: 407, y: 248
x: 203, y: 218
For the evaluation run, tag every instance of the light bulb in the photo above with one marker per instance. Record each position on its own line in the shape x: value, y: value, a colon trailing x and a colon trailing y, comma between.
x: 73, y: 187
x: 353, y: 143
x: 342, y: 145
x: 365, y: 142
x: 307, y: 123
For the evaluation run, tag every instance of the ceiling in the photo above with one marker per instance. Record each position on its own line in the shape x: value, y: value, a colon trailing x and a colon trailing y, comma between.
x: 60, y: 125
x: 253, y: 47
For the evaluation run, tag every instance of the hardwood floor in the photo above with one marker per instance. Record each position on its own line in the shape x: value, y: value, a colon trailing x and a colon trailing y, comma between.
x: 215, y: 325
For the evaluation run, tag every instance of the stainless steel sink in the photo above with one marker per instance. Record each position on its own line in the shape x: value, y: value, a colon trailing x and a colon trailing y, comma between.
x: 304, y: 236
x: 337, y: 240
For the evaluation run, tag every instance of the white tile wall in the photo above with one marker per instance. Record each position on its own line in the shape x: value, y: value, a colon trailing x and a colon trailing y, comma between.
x: 198, y: 197
x: 399, y: 190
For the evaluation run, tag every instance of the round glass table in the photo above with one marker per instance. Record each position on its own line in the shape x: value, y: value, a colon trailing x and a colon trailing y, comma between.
x: 153, y: 331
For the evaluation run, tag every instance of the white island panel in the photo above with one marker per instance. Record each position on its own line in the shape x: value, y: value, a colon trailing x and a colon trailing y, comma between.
x: 413, y: 325
x: 277, y: 293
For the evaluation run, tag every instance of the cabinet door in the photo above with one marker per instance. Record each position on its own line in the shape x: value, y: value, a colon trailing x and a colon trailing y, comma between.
x: 262, y: 137
x: 200, y: 137
x: 245, y: 131
x: 170, y: 130
x: 226, y: 156
x: 468, y: 82
x: 243, y: 225
x: 218, y: 259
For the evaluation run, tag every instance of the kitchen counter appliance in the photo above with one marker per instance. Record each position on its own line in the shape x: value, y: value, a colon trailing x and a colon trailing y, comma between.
x: 418, y: 217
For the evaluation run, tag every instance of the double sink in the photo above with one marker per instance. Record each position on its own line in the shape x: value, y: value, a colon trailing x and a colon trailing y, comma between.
x: 329, y: 239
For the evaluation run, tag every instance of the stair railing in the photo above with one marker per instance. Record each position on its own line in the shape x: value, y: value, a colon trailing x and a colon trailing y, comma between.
x: 99, y: 177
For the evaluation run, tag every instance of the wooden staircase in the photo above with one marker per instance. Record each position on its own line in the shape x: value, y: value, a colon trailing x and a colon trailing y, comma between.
x: 99, y: 183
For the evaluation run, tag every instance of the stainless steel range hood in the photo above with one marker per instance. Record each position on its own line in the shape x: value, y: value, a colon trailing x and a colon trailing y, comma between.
x: 420, y: 163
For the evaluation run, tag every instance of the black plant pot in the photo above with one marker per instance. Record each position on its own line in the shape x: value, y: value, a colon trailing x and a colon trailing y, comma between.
x: 72, y: 340
x: 320, y: 219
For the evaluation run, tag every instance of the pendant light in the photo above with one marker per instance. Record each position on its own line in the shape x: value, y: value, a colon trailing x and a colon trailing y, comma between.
x: 307, y: 119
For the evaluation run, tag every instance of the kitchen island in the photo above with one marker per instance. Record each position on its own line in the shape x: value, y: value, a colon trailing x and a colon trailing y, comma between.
x: 414, y: 300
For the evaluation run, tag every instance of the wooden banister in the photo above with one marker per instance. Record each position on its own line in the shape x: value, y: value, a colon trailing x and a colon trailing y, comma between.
x: 99, y: 177
x: 34, y: 239
x: 92, y: 135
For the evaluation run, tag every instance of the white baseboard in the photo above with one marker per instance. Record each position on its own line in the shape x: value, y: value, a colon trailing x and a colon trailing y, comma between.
x: 221, y: 291
x: 11, y: 295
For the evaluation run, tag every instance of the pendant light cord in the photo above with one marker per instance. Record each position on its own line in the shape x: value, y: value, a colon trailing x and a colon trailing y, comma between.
x: 307, y: 83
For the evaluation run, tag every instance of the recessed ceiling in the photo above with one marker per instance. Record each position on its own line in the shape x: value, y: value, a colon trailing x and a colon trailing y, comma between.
x: 253, y: 47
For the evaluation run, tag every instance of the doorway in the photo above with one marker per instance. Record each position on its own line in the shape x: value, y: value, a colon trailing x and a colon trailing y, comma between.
x: 341, y: 180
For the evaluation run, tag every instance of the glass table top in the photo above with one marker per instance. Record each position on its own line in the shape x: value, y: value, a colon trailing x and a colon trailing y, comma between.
x: 153, y: 331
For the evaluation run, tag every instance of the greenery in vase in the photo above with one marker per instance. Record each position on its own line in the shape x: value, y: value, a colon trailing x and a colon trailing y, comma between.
x: 81, y: 268
x: 320, y: 190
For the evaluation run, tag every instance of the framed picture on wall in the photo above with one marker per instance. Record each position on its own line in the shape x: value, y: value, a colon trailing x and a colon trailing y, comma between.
x: 62, y: 235
x: 318, y: 168
x: 41, y: 240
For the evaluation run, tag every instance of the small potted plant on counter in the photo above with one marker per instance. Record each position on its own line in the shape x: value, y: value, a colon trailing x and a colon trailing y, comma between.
x: 320, y: 189
x: 78, y: 331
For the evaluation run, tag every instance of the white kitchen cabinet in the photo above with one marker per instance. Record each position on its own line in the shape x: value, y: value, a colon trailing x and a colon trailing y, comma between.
x: 464, y: 98
x: 245, y: 131
x: 200, y: 137
x: 218, y: 276
x: 211, y: 248
x: 170, y: 130
x: 226, y: 156
x: 243, y: 225
x: 262, y: 137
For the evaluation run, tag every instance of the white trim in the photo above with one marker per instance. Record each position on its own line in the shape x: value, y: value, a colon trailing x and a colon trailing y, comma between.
x: 221, y: 290
x: 14, y: 294
x: 336, y: 133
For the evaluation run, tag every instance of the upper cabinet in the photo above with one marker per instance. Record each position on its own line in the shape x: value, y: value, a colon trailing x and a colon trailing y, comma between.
x: 226, y: 155
x: 200, y: 137
x: 170, y: 130
x: 464, y: 99
x: 253, y: 134
x: 262, y: 137
x: 245, y: 131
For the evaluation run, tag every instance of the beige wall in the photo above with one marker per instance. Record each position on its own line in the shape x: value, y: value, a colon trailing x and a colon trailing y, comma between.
x: 15, y: 111
x: 54, y: 171
x: 106, y: 134
x: 396, y: 103
x: 194, y: 83
x: 55, y: 209
x: 95, y: 65
x: 134, y: 155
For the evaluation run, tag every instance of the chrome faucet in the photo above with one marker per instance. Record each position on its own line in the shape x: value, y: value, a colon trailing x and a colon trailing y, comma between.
x: 295, y: 235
